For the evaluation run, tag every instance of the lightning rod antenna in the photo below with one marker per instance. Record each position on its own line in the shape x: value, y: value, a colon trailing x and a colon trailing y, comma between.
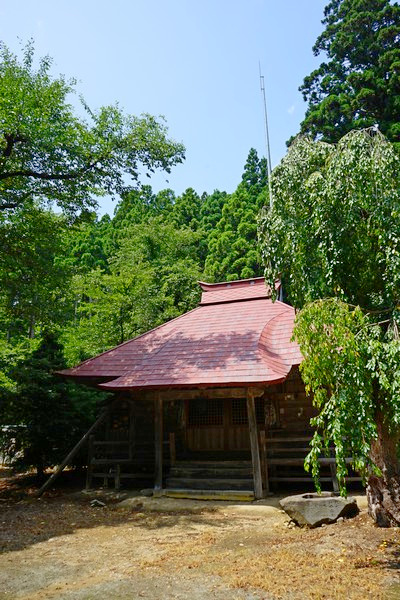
x: 269, y: 169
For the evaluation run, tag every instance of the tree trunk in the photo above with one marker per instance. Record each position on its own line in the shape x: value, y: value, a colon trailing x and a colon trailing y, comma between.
x: 383, y: 492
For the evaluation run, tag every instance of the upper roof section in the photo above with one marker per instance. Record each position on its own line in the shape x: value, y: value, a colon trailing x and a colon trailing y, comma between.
x: 235, y: 291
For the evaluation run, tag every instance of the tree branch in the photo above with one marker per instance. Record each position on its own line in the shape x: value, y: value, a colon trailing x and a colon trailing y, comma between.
x: 9, y: 205
x: 49, y: 176
x: 11, y: 141
x: 15, y: 203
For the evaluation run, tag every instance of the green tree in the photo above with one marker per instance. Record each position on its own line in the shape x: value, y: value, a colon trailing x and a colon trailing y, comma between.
x: 88, y: 244
x: 254, y: 177
x: 153, y: 278
x: 51, y: 411
x: 33, y: 280
x: 211, y: 210
x: 232, y: 244
x: 358, y: 85
x: 186, y: 210
x: 50, y: 154
x: 333, y: 234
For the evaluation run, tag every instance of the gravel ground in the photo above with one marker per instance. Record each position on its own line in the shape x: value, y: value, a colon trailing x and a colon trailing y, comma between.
x: 60, y: 547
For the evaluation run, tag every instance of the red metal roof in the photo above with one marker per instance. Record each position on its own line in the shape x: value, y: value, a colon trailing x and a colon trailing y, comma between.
x: 236, y: 337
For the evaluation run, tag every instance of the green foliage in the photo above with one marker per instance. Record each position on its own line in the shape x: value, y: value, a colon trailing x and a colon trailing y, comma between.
x: 52, y: 412
x: 10, y: 356
x: 232, y: 245
x: 186, y: 210
x: 141, y: 205
x: 50, y: 154
x: 333, y: 230
x: 96, y: 282
x: 87, y: 245
x: 33, y: 280
x: 333, y: 234
x: 153, y: 278
x: 335, y: 342
x: 359, y: 84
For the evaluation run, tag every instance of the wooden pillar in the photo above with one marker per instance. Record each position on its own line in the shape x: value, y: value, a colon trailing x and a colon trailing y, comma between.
x: 172, y: 449
x: 117, y: 481
x: 255, y: 453
x: 131, y: 449
x: 264, y: 462
x: 158, y: 444
x: 89, y: 470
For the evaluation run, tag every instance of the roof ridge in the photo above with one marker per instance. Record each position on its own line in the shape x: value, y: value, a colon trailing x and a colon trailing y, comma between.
x: 210, y: 287
x: 234, y: 300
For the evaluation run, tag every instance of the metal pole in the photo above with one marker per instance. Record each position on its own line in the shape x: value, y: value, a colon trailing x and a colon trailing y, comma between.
x: 269, y: 168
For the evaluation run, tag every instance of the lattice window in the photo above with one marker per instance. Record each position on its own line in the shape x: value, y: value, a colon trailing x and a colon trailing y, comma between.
x: 205, y: 411
x: 239, y: 411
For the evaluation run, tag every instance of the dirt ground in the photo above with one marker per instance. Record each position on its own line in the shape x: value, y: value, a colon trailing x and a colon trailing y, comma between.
x: 60, y: 547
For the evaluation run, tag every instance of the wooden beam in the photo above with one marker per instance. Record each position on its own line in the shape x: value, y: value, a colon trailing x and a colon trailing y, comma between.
x: 255, y: 453
x: 74, y: 450
x: 192, y: 394
x: 158, y: 444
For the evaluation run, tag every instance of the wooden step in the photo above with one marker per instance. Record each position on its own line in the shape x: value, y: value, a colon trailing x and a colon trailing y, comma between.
x: 226, y: 495
x: 140, y: 476
x: 209, y: 484
x: 210, y: 473
x: 213, y: 464
x: 300, y: 461
x: 295, y: 479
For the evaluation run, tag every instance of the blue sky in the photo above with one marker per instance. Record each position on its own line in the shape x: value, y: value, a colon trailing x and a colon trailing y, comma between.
x: 194, y: 61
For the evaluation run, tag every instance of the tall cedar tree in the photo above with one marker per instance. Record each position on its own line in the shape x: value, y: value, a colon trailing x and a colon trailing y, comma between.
x: 232, y: 245
x: 359, y: 84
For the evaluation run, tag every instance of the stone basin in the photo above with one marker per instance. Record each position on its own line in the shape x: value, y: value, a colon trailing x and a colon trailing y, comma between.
x: 313, y: 510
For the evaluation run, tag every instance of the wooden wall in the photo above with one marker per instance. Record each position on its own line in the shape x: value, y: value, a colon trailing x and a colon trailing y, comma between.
x: 289, y: 401
x: 293, y: 406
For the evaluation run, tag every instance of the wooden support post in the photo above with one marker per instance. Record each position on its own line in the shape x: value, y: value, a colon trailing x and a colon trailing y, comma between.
x: 172, y: 449
x: 158, y: 445
x: 89, y: 469
x: 255, y: 453
x: 117, y: 482
x: 264, y: 463
x: 131, y: 448
x: 74, y: 450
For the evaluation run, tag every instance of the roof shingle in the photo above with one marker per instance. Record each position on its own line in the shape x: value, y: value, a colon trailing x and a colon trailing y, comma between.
x: 236, y: 337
